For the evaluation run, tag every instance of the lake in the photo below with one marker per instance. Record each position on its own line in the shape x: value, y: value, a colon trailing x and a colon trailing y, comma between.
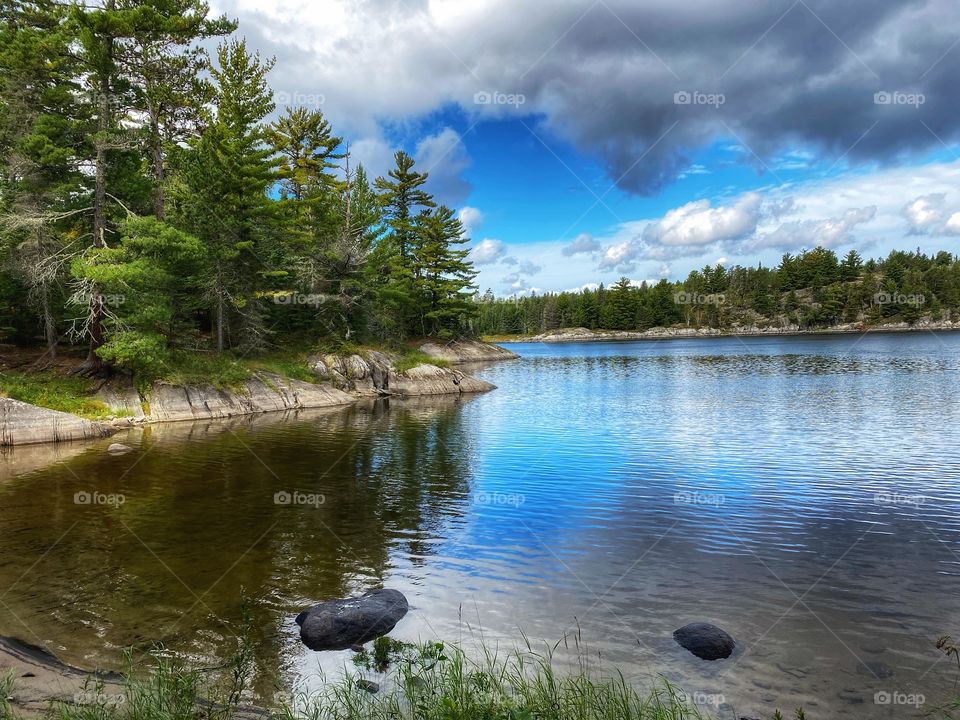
x: 801, y: 492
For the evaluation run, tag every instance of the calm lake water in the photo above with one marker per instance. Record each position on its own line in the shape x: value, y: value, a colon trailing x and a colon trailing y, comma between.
x: 803, y: 493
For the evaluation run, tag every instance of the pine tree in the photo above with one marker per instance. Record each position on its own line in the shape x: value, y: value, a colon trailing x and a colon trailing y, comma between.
x: 41, y: 185
x: 442, y: 276
x: 166, y: 70
x: 221, y: 196
x: 402, y: 199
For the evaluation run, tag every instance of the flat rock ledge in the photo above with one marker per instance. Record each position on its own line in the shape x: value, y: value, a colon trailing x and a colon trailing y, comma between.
x: 25, y: 424
x: 348, y: 622
x: 341, y: 380
x: 580, y: 335
x: 458, y: 352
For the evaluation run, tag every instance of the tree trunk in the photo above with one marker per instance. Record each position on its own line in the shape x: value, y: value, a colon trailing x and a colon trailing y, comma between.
x: 221, y: 313
x: 159, y: 174
x: 49, y: 323
x: 93, y: 362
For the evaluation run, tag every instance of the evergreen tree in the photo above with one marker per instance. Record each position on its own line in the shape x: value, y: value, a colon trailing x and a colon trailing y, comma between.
x: 442, y: 276
x: 221, y: 196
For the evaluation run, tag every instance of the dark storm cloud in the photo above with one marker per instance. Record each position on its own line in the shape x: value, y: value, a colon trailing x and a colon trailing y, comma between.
x: 766, y: 75
x: 641, y: 85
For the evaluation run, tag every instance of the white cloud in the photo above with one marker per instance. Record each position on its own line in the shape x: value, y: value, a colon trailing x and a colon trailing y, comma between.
x: 697, y: 225
x: 471, y: 218
x: 808, y: 234
x: 925, y: 213
x: 374, y: 153
x: 621, y: 256
x: 487, y: 252
x: 528, y: 267
x: 583, y: 243
x: 953, y: 225
x: 444, y: 157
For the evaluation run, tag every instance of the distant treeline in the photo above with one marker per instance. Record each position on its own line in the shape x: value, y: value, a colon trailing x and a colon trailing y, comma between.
x: 811, y: 290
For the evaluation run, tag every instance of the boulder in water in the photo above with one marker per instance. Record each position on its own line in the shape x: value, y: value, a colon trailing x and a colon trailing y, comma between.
x: 706, y: 641
x: 347, y: 622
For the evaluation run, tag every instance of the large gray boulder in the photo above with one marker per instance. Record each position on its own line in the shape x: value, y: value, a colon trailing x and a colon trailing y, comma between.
x: 706, y: 641
x: 341, y: 624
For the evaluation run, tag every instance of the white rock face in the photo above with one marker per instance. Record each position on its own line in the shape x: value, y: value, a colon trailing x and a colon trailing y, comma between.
x: 433, y: 380
x: 25, y: 424
x: 268, y: 393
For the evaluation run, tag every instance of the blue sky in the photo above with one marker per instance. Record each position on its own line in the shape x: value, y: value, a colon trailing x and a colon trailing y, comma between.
x: 583, y: 140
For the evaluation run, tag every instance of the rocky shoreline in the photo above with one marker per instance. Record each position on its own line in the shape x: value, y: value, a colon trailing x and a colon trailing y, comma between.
x: 341, y: 380
x: 575, y: 335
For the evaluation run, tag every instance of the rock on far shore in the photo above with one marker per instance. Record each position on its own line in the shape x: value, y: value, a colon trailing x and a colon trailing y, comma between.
x: 706, y: 641
x: 466, y: 351
x: 25, y: 424
x: 341, y: 624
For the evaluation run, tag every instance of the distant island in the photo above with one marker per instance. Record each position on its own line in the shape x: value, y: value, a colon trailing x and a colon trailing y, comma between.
x: 814, y: 291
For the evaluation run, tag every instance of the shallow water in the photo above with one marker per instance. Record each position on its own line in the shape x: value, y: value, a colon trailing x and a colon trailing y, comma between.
x: 803, y: 493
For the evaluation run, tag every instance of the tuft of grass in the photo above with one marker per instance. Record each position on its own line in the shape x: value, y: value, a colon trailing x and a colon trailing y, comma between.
x: 222, y: 371
x: 412, y: 358
x: 290, y: 366
x: 6, y: 688
x: 386, y: 651
x: 52, y: 390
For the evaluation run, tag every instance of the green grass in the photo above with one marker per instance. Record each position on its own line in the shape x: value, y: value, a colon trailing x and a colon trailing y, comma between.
x: 6, y: 687
x: 290, y: 366
x: 55, y: 391
x: 410, y: 359
x: 221, y: 371
x: 433, y: 681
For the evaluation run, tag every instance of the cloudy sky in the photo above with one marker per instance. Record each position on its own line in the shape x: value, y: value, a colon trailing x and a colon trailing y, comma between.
x: 582, y: 140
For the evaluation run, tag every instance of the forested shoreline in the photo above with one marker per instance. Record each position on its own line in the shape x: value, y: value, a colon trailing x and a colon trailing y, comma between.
x: 156, y: 205
x: 809, y: 291
x: 151, y: 209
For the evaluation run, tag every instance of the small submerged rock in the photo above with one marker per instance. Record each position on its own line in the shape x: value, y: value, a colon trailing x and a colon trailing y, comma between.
x: 368, y: 686
x: 349, y: 622
x: 879, y: 670
x: 119, y: 449
x: 707, y: 642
